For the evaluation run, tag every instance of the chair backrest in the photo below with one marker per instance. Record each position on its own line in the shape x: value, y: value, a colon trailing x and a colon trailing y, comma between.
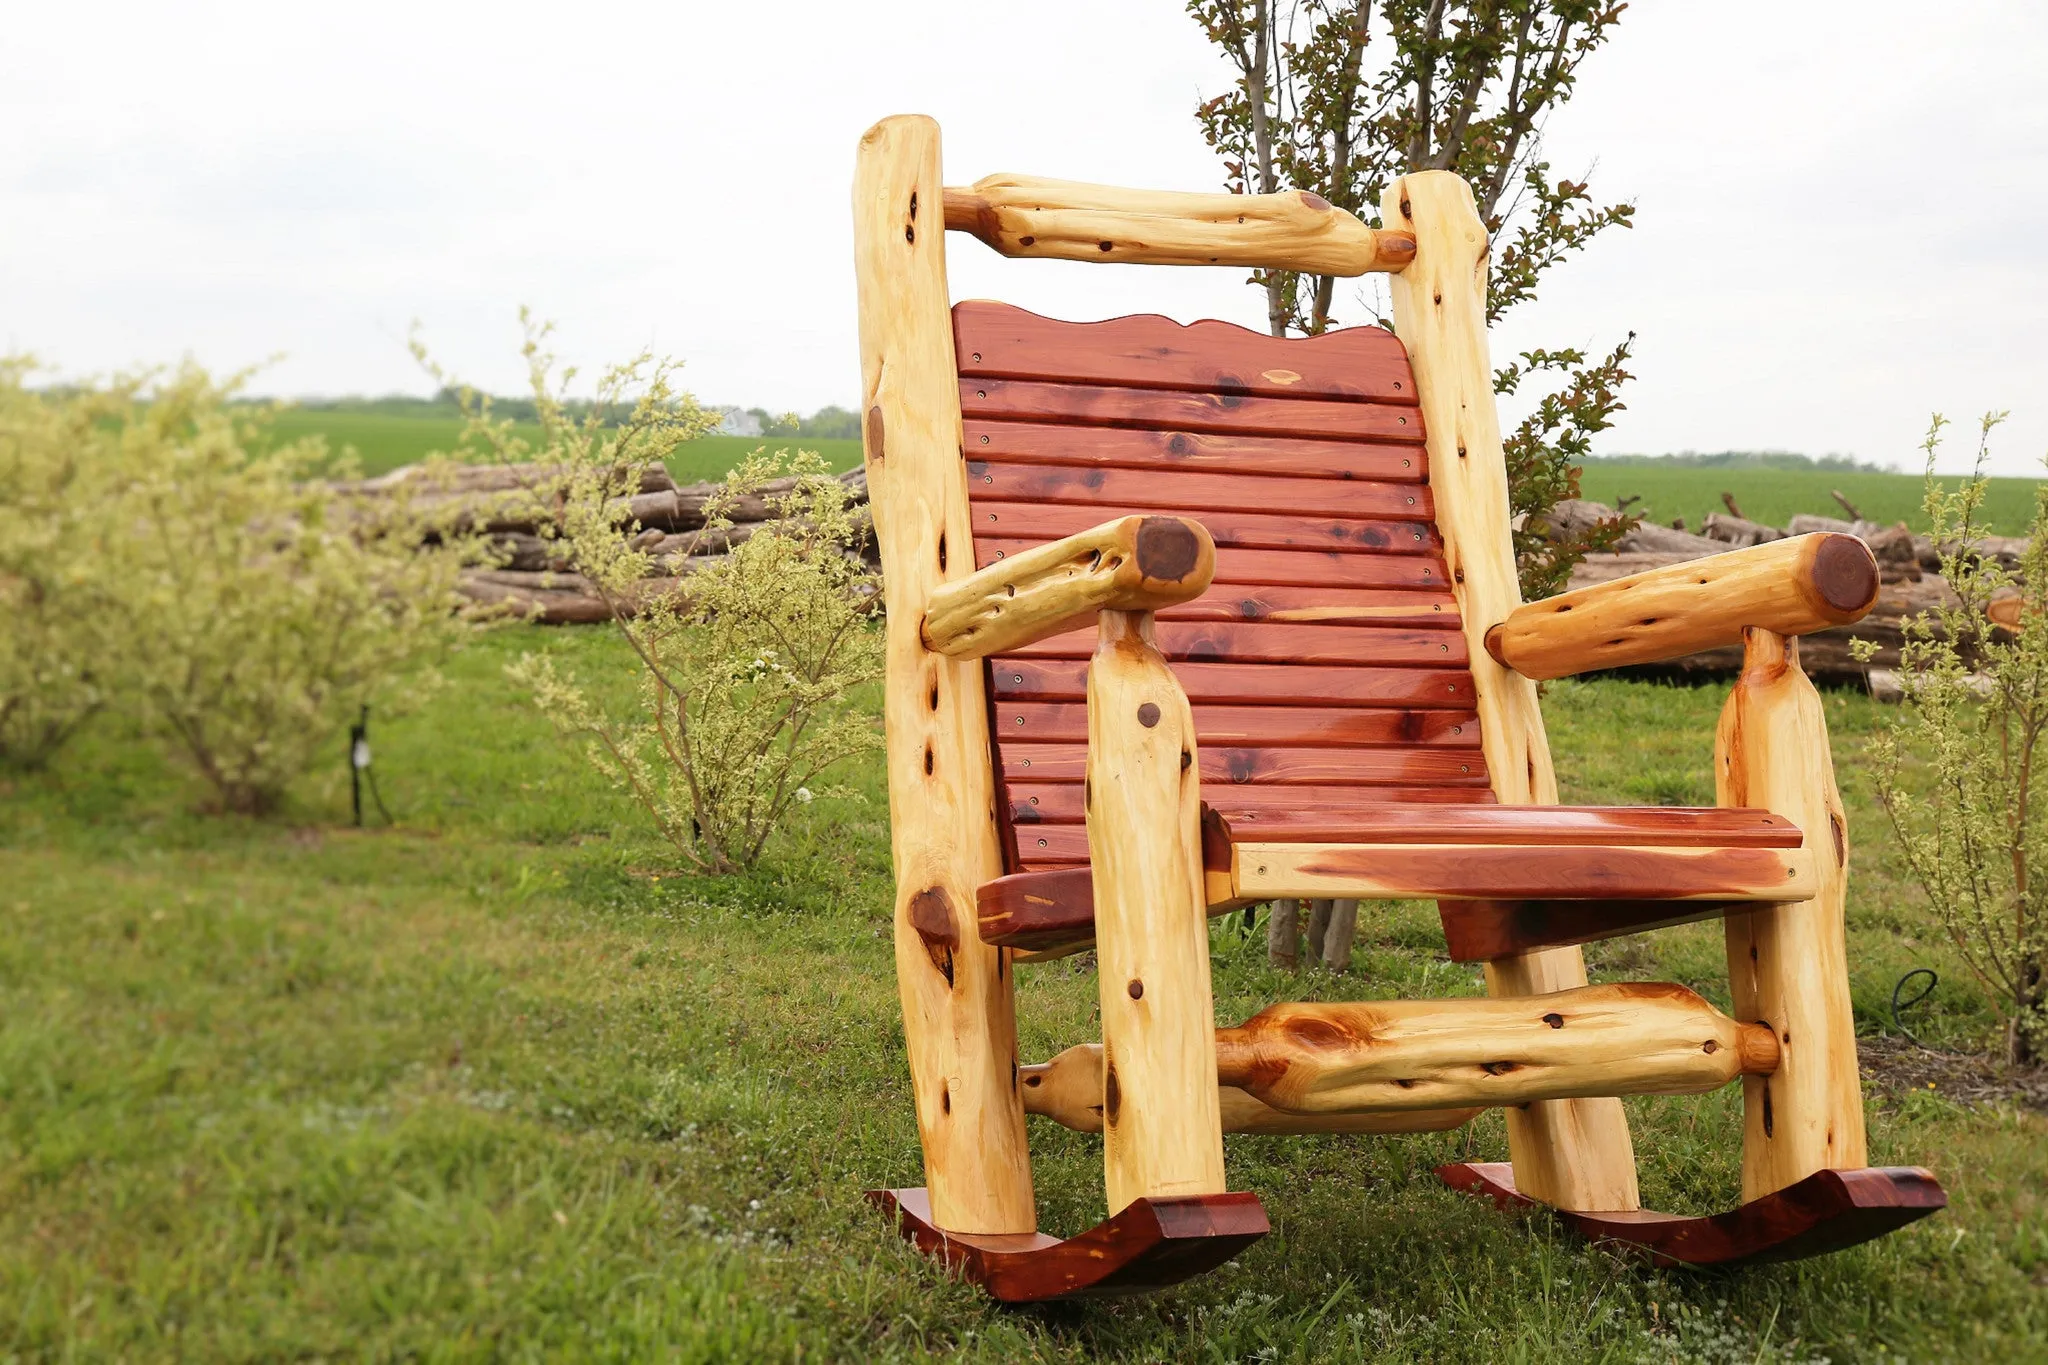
x: 1326, y: 666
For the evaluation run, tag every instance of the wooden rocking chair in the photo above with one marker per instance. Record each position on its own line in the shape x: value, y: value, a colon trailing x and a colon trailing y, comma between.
x: 1309, y: 541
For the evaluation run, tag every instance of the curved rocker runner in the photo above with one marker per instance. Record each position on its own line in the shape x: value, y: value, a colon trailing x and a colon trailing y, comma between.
x: 1181, y: 618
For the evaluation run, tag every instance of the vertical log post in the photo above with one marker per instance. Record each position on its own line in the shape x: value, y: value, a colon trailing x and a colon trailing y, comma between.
x: 959, y: 1015
x: 1788, y: 965
x: 1162, y: 1125
x: 1574, y: 1154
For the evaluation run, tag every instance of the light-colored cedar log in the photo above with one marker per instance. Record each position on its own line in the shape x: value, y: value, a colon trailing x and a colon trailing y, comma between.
x: 1639, y: 1038
x: 1789, y: 965
x: 1068, y: 1090
x: 1022, y: 215
x: 1130, y: 564
x: 959, y: 1014
x: 1520, y: 872
x: 1164, y: 1134
x: 1793, y: 586
x: 1571, y: 1153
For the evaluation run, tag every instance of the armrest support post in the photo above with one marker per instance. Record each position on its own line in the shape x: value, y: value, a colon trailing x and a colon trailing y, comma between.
x: 1788, y: 965
x: 1130, y: 564
x: 1790, y: 587
x: 1162, y: 1125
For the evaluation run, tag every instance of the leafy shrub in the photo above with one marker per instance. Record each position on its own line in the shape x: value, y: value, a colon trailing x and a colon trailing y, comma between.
x: 1973, y: 826
x: 744, y: 672
x: 52, y: 592
x: 209, y: 585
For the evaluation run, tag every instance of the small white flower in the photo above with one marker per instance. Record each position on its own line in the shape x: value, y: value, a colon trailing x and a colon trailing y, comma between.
x: 803, y: 796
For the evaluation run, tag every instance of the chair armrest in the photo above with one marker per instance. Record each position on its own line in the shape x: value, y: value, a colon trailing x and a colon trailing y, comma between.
x: 1792, y: 587
x: 1130, y: 564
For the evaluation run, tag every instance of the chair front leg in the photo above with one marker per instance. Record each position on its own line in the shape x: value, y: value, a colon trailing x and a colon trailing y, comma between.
x: 1788, y: 965
x: 1162, y: 1126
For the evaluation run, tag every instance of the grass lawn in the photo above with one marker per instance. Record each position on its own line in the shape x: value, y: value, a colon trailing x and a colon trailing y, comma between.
x: 501, y: 1082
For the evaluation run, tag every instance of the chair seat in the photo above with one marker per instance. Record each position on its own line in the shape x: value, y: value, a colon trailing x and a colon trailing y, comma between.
x: 1506, y: 874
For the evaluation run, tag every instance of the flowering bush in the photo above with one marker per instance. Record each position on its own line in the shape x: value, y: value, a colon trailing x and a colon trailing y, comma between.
x: 743, y: 674
x: 182, y: 569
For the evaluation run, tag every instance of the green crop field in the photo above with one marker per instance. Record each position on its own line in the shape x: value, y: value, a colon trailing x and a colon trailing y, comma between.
x: 1774, y: 496
x: 502, y: 1083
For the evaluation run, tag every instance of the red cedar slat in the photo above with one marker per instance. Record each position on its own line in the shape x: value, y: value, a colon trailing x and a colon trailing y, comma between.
x: 1238, y: 530
x: 1099, y: 405
x: 1480, y: 931
x: 1656, y: 826
x: 1225, y: 766
x: 1172, y: 452
x: 1320, y: 606
x: 1059, y: 803
x: 1299, y: 726
x: 1018, y: 679
x: 997, y: 339
x: 1496, y: 872
x: 1275, y: 643
x: 1199, y: 492
x: 1279, y: 568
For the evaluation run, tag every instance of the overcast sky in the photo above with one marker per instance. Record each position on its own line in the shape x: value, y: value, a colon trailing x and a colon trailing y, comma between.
x: 1838, y: 200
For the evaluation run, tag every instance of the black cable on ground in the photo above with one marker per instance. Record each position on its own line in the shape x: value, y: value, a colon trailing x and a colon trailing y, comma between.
x: 1932, y: 981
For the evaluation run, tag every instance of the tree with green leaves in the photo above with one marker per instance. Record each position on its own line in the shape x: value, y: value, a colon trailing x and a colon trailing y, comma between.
x: 1340, y: 97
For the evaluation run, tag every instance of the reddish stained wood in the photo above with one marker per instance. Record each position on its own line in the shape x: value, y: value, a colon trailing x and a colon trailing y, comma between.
x: 1299, y: 726
x: 1551, y: 826
x: 1101, y: 405
x: 1480, y: 931
x: 1320, y: 606
x: 1483, y: 872
x: 1275, y: 643
x: 1224, y: 764
x: 1279, y: 568
x: 1357, y: 363
x: 1172, y: 452
x: 1235, y: 530
x: 1031, y: 803
x: 1149, y: 1245
x: 1017, y: 679
x: 1198, y: 492
x: 1827, y: 1211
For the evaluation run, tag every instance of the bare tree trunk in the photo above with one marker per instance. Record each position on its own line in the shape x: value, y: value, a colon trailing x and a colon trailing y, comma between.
x: 1342, y: 933
x: 1257, y: 86
x: 1283, y: 934
x: 1318, y: 928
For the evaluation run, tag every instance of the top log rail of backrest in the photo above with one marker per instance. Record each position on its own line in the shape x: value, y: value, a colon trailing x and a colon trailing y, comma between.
x: 1066, y: 220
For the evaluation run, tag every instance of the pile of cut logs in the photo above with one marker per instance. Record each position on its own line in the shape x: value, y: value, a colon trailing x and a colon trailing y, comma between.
x: 1908, y: 567
x: 534, y: 578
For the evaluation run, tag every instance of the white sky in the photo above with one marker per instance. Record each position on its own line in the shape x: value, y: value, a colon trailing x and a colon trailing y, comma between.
x: 1837, y: 199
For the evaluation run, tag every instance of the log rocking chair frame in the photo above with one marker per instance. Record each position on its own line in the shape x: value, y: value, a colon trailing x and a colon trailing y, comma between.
x: 1323, y: 524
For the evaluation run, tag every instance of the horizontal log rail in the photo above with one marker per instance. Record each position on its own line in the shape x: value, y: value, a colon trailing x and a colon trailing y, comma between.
x: 1068, y: 1090
x: 1070, y: 221
x: 1134, y: 563
x: 1394, y: 1066
x: 1638, y: 1038
x: 1263, y: 871
x: 1792, y: 587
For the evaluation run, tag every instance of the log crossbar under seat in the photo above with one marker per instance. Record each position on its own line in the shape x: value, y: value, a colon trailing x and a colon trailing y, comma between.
x: 1186, y: 617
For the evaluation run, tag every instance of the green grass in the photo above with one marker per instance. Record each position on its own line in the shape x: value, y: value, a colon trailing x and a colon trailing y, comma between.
x: 500, y: 1083
x: 1775, y: 496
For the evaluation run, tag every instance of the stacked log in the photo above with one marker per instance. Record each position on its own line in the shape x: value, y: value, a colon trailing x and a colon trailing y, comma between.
x: 533, y: 576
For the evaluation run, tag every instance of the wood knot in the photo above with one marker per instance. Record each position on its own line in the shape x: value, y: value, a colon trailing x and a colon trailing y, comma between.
x: 1314, y: 201
x: 1136, y: 988
x: 1148, y: 714
x: 1112, y: 1094
x: 1554, y: 1020
x: 931, y: 915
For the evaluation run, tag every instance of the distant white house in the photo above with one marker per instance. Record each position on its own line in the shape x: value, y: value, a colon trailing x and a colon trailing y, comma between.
x: 738, y: 422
